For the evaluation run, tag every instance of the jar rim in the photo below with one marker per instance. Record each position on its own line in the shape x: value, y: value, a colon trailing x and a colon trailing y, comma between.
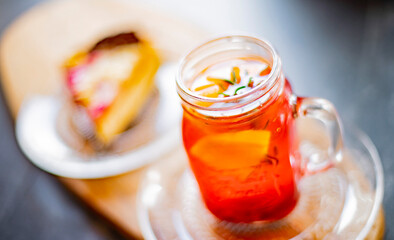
x: 188, y: 96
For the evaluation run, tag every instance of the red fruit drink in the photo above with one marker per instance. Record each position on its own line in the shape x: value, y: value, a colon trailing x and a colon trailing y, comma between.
x: 245, y: 163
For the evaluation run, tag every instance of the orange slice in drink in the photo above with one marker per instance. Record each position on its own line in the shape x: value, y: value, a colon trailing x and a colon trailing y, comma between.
x: 222, y: 83
x: 210, y: 90
x: 265, y: 71
x: 234, y: 150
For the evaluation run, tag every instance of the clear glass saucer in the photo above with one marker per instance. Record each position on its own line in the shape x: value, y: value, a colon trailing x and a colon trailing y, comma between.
x: 341, y: 203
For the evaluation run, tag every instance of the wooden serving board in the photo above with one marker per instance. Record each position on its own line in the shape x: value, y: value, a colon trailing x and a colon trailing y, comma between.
x: 34, y: 47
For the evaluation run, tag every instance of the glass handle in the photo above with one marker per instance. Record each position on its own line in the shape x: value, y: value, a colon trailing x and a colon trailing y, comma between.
x: 318, y: 159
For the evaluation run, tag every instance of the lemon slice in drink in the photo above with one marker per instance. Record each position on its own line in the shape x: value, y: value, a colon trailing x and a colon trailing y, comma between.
x: 234, y: 150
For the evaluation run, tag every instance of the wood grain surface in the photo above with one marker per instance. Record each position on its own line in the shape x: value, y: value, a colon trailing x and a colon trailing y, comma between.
x: 34, y: 48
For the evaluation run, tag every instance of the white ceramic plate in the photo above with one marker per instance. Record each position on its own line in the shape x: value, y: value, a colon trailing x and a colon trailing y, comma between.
x: 38, y: 137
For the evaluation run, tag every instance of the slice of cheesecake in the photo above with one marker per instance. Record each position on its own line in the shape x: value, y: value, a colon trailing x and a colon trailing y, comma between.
x: 112, y: 82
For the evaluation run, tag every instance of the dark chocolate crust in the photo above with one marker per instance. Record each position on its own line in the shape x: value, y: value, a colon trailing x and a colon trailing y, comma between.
x: 116, y: 40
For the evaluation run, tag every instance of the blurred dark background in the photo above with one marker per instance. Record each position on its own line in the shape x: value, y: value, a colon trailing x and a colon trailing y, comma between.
x: 339, y: 50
